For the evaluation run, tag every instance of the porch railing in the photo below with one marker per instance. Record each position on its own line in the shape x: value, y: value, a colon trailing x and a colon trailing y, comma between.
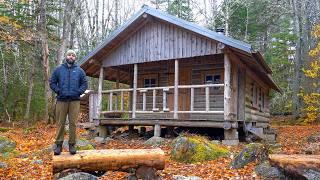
x: 165, y: 91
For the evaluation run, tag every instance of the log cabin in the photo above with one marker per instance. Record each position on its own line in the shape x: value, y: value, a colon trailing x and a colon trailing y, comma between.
x: 179, y: 74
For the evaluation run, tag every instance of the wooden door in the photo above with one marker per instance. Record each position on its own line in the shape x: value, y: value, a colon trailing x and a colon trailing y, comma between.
x: 184, y: 94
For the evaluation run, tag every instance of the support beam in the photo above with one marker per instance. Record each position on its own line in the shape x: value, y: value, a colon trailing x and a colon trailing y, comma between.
x: 121, y: 103
x: 176, y: 90
x: 227, y: 88
x: 134, y: 94
x: 207, y: 99
x: 99, y: 100
x: 144, y: 99
x: 154, y: 100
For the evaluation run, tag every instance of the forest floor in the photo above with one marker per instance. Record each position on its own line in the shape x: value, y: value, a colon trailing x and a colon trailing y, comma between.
x: 32, y: 160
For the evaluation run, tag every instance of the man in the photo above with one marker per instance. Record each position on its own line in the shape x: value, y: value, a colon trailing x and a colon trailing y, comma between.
x: 68, y: 81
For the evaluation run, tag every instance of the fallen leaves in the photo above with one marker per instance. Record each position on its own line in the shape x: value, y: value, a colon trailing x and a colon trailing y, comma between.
x: 31, y: 146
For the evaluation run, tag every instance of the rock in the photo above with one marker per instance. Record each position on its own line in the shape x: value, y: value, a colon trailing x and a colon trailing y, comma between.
x: 155, y: 141
x: 268, y: 172
x: 3, y: 165
x: 252, y: 152
x: 6, y: 145
x: 179, y: 177
x: 79, y: 176
x: 100, y: 140
x: 81, y: 144
x: 313, y: 148
x: 192, y: 149
x: 37, y: 161
x: 314, y: 138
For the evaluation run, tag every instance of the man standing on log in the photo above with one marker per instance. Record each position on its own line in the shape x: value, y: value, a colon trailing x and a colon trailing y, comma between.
x: 68, y: 81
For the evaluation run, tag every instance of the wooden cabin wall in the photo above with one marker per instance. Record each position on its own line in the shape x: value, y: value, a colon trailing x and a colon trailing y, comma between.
x: 160, y: 41
x: 256, y: 103
x: 192, y: 71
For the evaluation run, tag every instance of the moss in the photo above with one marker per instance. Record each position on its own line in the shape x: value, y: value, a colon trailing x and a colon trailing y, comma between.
x: 198, y: 149
x: 87, y: 147
x: 3, y: 129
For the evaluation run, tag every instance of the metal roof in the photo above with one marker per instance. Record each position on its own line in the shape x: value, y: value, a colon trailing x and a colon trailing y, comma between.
x: 174, y: 20
x: 242, y: 46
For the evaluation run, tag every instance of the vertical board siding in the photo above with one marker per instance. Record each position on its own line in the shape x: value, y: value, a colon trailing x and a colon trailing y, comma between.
x: 159, y: 41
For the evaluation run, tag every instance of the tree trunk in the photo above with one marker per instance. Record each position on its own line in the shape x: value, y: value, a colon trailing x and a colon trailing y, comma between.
x: 31, y: 78
x: 296, y: 100
x: 45, y: 56
x: 110, y: 159
x: 5, y: 85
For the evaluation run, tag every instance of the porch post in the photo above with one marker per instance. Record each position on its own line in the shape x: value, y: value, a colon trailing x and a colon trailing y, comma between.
x: 176, y: 90
x: 134, y: 94
x: 230, y: 134
x: 99, y: 99
x: 227, y: 87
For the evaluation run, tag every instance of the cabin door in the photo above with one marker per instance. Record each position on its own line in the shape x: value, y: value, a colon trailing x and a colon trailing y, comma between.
x: 184, y: 94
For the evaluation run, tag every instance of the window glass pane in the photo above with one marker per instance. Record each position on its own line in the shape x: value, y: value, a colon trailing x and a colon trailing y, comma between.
x: 216, y: 79
x: 153, y: 81
x: 209, y: 79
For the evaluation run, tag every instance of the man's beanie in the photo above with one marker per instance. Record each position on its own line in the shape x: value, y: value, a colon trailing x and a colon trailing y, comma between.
x: 71, y: 52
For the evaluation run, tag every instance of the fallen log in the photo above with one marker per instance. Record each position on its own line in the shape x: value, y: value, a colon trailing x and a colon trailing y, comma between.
x: 110, y: 159
x: 297, y: 164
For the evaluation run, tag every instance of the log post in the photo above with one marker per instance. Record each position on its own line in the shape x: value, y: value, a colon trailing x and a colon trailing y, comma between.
x: 109, y: 160
x: 176, y: 90
x: 230, y: 135
x: 227, y: 87
x: 154, y: 100
x: 99, y: 100
x: 134, y: 94
x: 164, y: 98
x: 91, y: 107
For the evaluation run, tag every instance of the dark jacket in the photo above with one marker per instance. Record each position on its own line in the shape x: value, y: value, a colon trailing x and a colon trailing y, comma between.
x: 68, y: 82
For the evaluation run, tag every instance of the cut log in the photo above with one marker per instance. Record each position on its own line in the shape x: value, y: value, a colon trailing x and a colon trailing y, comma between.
x: 297, y: 164
x: 110, y: 159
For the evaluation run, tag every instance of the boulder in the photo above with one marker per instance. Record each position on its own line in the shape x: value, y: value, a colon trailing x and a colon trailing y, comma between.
x: 81, y: 144
x: 155, y: 141
x: 268, y: 172
x: 250, y: 153
x: 6, y: 145
x: 79, y: 176
x: 192, y: 149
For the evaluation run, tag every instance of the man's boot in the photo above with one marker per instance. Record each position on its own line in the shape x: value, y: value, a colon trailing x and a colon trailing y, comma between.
x: 72, y: 149
x: 57, y: 150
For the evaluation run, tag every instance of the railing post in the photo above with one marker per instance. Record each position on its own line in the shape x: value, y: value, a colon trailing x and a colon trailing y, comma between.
x: 164, y: 98
x: 134, y: 94
x: 207, y: 99
x: 110, y: 101
x: 117, y: 87
x: 154, y: 94
x: 144, y: 99
x: 192, y: 99
x: 176, y: 90
x: 99, y: 100
x: 121, y: 103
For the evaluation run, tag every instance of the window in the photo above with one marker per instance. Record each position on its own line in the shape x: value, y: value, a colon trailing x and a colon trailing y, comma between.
x: 149, y: 82
x: 213, y: 79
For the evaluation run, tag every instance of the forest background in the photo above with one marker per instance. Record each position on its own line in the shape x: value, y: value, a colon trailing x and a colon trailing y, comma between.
x: 34, y: 35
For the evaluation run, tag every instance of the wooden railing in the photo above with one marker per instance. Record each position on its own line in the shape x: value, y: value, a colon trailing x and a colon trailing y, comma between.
x: 165, y: 91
